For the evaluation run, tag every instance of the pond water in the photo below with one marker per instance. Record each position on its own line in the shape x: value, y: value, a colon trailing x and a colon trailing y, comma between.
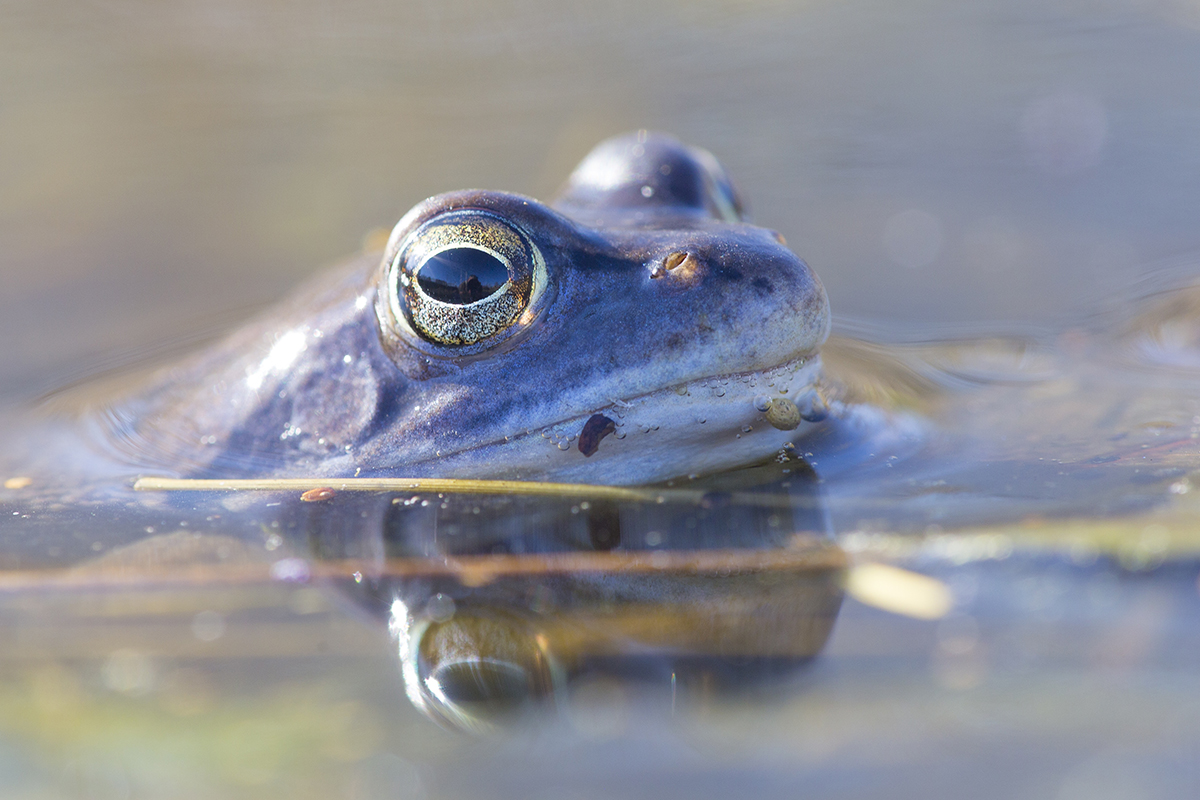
x: 999, y: 199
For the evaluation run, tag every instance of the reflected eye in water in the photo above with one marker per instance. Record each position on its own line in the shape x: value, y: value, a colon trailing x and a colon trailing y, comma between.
x: 476, y: 669
x: 464, y: 280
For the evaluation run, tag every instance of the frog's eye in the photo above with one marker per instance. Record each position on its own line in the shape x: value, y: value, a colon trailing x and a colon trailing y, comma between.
x: 464, y: 278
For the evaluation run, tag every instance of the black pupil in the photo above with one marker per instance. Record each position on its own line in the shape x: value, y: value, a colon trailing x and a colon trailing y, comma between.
x: 462, y: 275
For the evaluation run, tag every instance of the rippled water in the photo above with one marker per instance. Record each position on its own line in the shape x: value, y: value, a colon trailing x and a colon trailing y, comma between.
x: 999, y: 199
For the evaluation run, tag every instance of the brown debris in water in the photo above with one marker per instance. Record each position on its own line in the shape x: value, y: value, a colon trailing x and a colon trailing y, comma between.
x: 318, y: 495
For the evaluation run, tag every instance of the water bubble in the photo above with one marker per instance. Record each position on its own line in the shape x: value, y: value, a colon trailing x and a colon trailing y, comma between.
x: 762, y: 402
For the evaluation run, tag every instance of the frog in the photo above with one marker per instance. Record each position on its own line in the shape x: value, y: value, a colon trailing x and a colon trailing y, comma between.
x: 635, y: 328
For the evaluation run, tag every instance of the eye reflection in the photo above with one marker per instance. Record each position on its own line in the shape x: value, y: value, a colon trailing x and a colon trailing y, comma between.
x: 462, y: 275
x: 504, y: 606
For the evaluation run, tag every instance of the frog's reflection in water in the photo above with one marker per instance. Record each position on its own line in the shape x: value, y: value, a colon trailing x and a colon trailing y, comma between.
x: 502, y: 605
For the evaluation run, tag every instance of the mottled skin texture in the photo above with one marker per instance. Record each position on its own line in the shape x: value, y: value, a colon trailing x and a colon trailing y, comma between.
x: 327, y: 384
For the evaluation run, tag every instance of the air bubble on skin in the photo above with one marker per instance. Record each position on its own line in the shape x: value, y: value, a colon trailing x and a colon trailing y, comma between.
x: 620, y: 434
x: 746, y: 429
x: 564, y: 445
x: 762, y: 402
x: 701, y: 420
x: 719, y: 392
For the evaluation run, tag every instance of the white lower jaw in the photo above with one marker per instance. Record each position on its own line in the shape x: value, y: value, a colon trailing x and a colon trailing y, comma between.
x: 699, y: 427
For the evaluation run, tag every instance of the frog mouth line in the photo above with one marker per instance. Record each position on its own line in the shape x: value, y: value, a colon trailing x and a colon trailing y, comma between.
x: 701, y: 425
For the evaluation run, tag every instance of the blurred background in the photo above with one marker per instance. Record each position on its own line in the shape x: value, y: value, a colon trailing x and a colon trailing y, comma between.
x: 165, y: 167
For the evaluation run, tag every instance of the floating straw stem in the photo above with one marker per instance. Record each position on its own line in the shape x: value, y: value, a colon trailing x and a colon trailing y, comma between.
x: 443, y: 485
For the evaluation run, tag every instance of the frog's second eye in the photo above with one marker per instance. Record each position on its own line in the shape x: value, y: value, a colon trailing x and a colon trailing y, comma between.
x: 465, y: 278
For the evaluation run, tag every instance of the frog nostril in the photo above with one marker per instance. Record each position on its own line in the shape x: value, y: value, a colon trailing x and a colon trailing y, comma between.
x: 679, y: 263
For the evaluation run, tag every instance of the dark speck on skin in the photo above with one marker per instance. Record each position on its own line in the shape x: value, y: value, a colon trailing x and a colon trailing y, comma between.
x: 596, y: 428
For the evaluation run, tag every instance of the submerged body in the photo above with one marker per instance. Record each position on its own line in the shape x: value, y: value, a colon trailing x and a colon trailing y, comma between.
x: 635, y: 330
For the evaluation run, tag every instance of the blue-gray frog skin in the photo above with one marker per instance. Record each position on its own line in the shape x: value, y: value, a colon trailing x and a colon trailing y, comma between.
x: 633, y: 330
